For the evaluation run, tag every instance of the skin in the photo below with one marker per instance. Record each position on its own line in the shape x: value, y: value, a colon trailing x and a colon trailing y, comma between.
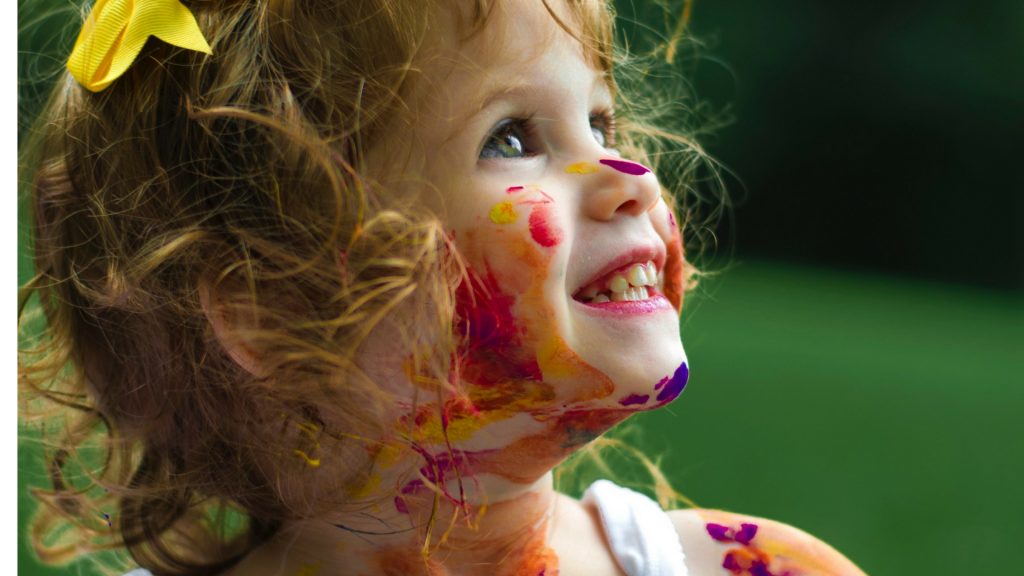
x: 540, y: 375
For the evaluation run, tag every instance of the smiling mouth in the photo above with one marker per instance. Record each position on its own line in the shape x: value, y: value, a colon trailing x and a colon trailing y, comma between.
x: 634, y: 283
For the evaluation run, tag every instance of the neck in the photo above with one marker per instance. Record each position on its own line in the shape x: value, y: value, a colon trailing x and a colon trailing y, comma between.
x: 503, y: 534
x: 480, y: 503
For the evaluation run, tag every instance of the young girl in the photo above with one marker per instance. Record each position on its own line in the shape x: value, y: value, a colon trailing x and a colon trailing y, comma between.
x: 334, y: 286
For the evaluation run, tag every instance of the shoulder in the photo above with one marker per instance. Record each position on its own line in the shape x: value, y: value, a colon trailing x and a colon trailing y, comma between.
x: 742, y: 544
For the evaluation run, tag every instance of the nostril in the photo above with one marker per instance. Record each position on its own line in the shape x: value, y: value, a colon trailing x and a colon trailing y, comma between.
x: 629, y: 206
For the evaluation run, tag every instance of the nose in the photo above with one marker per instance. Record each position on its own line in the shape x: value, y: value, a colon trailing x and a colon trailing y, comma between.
x: 615, y: 186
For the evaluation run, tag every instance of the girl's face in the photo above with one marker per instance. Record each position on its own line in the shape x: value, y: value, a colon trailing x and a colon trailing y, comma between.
x: 575, y: 262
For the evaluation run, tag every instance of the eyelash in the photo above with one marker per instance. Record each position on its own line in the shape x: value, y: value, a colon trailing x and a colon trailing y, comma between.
x: 524, y: 131
x: 604, y: 120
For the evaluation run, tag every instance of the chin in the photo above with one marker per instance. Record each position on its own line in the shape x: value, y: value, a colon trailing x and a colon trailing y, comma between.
x: 642, y: 358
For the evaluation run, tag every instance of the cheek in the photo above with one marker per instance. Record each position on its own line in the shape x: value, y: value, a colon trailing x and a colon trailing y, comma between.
x: 507, y: 312
x: 543, y: 226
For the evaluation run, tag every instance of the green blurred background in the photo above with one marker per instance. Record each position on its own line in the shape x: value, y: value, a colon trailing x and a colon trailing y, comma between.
x: 857, y: 355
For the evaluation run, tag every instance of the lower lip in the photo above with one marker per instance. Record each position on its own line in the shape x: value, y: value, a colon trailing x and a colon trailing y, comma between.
x: 655, y: 303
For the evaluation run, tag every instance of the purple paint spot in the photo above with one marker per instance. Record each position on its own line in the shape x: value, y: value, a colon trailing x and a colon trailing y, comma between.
x: 400, y: 505
x: 661, y: 382
x: 671, y: 219
x: 108, y: 520
x: 719, y: 532
x: 675, y: 385
x: 731, y: 564
x: 746, y: 533
x: 634, y: 399
x: 759, y: 569
x: 626, y: 167
x: 512, y: 189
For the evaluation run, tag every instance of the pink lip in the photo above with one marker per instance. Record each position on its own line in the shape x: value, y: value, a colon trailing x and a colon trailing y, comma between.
x: 635, y: 255
x: 655, y: 303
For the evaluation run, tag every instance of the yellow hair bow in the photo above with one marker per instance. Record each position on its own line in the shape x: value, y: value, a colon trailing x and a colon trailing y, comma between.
x: 116, y: 30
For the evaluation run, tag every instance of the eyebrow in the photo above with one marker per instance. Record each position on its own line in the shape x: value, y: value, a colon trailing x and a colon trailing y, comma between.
x: 510, y: 91
x: 498, y: 94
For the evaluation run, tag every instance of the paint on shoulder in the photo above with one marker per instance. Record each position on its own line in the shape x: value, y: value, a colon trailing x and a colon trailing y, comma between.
x: 749, y: 546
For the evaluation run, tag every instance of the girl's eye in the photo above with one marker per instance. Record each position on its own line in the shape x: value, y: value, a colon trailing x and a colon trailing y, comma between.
x: 602, y: 125
x: 510, y: 139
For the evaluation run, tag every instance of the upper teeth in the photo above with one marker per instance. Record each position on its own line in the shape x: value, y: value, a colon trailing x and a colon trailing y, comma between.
x: 628, y: 285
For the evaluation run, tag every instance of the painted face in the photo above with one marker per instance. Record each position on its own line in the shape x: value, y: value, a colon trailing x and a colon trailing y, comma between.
x: 571, y: 310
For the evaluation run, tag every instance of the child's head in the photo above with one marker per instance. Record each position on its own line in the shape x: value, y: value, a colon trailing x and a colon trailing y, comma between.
x: 359, y: 228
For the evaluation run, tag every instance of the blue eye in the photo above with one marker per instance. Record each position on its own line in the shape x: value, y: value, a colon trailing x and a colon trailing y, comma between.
x: 509, y: 139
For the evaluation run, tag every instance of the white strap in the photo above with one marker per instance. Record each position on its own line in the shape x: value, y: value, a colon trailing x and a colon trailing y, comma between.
x: 640, y: 533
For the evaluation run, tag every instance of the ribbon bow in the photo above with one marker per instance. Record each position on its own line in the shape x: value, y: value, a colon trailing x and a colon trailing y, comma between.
x: 116, y: 30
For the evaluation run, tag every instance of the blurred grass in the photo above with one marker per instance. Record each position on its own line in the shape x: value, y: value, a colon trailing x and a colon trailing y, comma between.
x: 881, y: 415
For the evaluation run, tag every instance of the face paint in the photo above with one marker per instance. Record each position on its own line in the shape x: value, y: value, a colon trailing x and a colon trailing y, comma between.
x: 748, y: 559
x: 503, y: 213
x: 506, y: 371
x: 542, y: 230
x: 672, y: 387
x: 625, y: 166
x: 675, y: 270
x: 634, y: 399
x: 770, y: 552
x: 581, y: 168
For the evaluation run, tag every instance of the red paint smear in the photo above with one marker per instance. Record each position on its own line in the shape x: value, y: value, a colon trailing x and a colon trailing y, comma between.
x: 541, y: 230
x: 634, y: 399
x: 513, y: 189
x: 626, y: 167
x: 492, y: 350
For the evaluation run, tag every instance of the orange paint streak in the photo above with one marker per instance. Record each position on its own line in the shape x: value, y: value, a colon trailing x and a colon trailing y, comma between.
x: 675, y: 270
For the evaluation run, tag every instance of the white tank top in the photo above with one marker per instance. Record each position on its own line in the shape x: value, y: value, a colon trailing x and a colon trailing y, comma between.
x: 641, y: 535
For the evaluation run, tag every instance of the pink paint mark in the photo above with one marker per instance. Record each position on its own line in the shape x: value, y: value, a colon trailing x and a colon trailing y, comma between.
x: 541, y: 230
x: 400, y: 505
x: 546, y: 200
x: 626, y: 167
x: 514, y: 189
x: 671, y: 219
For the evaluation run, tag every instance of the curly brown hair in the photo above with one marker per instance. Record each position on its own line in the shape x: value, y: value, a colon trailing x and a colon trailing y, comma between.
x: 232, y: 184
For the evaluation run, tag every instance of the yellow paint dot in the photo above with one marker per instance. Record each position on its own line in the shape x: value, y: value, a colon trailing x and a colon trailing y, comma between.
x: 581, y: 168
x: 503, y: 213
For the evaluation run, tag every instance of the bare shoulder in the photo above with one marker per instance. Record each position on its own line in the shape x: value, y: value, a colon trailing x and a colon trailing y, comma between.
x: 718, y: 542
